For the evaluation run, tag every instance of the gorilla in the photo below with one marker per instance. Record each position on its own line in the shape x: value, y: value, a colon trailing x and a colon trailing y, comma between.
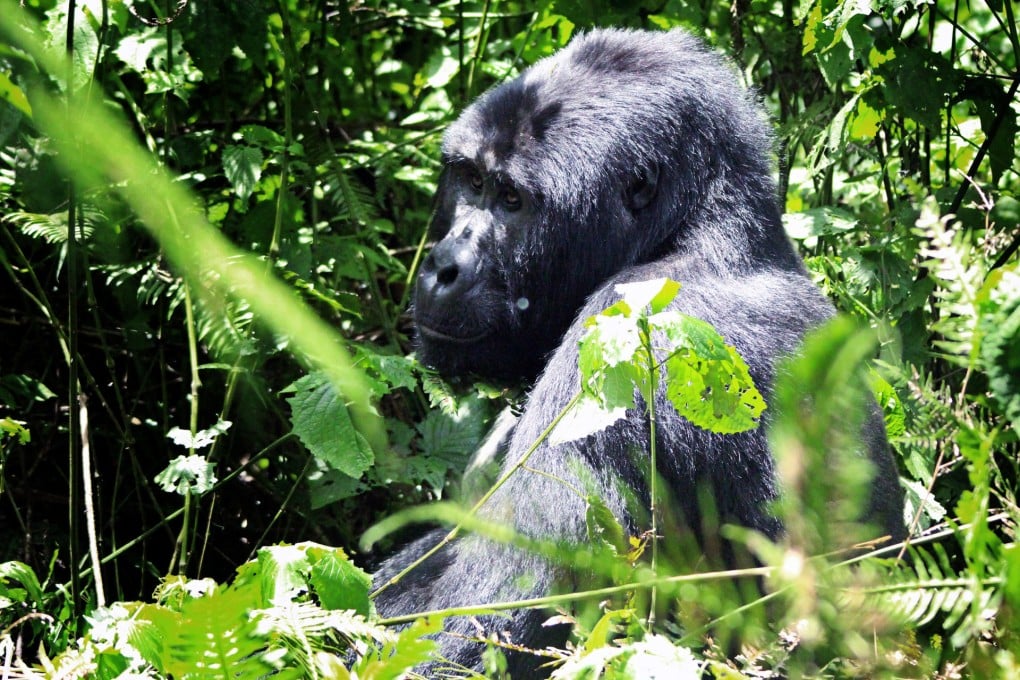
x: 626, y: 156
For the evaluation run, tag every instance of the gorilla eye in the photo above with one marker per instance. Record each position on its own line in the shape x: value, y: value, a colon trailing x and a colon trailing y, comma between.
x: 511, y: 199
x: 475, y: 180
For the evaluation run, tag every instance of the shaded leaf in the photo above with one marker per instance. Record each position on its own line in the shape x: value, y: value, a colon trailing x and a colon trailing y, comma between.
x: 322, y: 422
x: 243, y: 167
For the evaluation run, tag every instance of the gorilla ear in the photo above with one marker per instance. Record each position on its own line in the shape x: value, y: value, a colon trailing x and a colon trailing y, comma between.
x: 642, y: 190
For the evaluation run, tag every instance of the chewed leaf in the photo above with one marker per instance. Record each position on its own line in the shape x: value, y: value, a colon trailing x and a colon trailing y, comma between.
x: 186, y: 474
x: 714, y: 394
x: 202, y: 438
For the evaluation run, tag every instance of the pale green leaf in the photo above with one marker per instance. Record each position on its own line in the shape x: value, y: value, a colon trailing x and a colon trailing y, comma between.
x: 187, y: 474
x: 585, y: 418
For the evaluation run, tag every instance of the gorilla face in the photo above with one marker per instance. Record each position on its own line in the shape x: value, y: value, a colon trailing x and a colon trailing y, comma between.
x: 527, y: 224
x: 472, y: 300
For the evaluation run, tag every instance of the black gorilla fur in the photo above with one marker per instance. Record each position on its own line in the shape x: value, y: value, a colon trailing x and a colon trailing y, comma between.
x: 627, y: 156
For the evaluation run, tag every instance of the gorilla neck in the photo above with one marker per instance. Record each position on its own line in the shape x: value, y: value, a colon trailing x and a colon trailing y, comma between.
x: 739, y: 230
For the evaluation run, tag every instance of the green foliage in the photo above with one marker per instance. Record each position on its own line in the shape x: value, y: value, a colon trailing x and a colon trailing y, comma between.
x: 250, y: 176
x: 706, y: 380
x: 289, y: 613
x: 187, y: 474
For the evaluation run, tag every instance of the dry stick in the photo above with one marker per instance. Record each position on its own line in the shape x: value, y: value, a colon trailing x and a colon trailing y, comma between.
x: 90, y: 509
x: 483, y: 500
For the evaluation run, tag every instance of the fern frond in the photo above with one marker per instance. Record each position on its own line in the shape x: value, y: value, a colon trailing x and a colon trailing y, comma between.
x: 955, y: 265
x: 52, y: 228
x: 309, y: 624
x: 217, y: 639
x: 439, y: 392
x: 918, y: 602
x: 966, y: 602
x: 352, y: 199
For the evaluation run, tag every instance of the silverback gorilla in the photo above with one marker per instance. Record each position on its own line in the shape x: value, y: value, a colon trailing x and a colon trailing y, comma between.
x: 626, y: 156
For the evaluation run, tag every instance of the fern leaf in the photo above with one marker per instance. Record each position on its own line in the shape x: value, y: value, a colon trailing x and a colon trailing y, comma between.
x: 352, y: 199
x: 217, y: 639
x: 966, y: 603
x: 52, y: 228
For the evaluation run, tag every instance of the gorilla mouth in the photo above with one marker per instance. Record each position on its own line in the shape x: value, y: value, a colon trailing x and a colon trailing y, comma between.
x: 433, y: 334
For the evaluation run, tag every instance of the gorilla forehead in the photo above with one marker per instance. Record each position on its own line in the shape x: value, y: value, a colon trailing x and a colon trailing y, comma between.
x: 506, y: 131
x: 598, y: 107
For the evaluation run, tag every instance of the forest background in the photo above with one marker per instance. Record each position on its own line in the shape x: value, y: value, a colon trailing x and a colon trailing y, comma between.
x: 250, y: 183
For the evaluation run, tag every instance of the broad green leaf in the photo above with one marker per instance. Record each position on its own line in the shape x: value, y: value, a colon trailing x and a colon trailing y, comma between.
x: 21, y: 573
x: 814, y: 222
x: 585, y: 418
x: 602, y: 631
x: 609, y: 341
x: 611, y: 358
x: 656, y: 293
x: 812, y: 29
x: 338, y: 582
x: 15, y: 428
x: 453, y: 437
x: 918, y: 83
x: 322, y: 422
x: 243, y: 167
x: 892, y: 407
x: 259, y: 135
x: 707, y: 381
x: 865, y: 122
x: 86, y: 43
x: 441, y: 68
x: 136, y: 631
x: 283, y: 573
x: 13, y: 95
x: 16, y: 388
x: 202, y: 438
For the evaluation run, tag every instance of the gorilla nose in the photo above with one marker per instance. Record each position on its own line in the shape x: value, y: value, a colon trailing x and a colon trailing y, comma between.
x: 450, y: 270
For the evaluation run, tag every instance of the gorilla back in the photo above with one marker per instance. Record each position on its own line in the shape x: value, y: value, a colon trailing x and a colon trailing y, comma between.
x: 624, y: 157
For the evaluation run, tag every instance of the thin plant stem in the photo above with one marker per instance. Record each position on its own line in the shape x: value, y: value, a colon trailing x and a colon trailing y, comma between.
x: 74, y: 506
x: 653, y: 473
x: 599, y: 593
x: 455, y: 531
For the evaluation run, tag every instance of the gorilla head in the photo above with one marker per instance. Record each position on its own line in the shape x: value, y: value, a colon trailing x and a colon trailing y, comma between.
x: 615, y: 151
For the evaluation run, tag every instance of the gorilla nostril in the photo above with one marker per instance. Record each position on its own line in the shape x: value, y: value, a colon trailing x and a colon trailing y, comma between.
x: 447, y: 275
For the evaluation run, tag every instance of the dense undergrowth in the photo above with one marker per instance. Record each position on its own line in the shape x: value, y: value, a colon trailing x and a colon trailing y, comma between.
x: 249, y: 184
